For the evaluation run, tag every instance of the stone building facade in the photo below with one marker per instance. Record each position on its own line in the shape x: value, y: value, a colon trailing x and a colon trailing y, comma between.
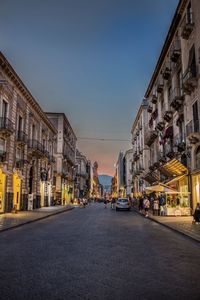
x: 26, y: 146
x: 65, y: 157
x: 140, y: 161
x: 83, y: 176
x: 172, y: 132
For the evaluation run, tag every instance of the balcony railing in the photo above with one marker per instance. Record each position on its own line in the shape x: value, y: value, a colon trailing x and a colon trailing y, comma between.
x: 167, y: 115
x: 179, y: 143
x: 187, y: 25
x: 176, y: 98
x: 21, y: 137
x: 6, y: 125
x: 166, y: 71
x: 20, y: 163
x: 3, y: 156
x: 154, y: 99
x: 150, y: 137
x: 34, y: 145
x: 175, y: 51
x: 192, y: 127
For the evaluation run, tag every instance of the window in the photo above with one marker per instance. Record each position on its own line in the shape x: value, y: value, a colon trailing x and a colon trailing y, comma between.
x: 20, y: 123
x: 198, y: 158
x: 4, y: 109
x: 189, y: 14
x: 2, y: 145
x: 195, y: 117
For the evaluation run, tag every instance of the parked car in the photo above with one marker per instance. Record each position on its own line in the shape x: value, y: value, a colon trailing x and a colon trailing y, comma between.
x: 123, y: 203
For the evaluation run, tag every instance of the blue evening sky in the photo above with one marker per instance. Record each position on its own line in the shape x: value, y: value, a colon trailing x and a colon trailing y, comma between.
x: 91, y: 59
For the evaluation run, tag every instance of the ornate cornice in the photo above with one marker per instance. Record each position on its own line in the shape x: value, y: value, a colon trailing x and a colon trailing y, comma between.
x: 10, y: 72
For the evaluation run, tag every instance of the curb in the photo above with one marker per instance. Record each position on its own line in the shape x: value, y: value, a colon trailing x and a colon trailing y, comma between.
x: 35, y: 220
x: 171, y: 228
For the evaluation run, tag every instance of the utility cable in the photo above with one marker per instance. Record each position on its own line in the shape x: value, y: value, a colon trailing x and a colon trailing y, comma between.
x: 102, y: 139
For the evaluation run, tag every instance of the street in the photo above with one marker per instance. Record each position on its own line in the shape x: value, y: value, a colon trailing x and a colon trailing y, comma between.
x: 97, y: 253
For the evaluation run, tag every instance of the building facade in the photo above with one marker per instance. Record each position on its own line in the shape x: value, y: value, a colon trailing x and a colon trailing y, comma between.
x: 65, y: 159
x: 140, y: 161
x: 172, y: 132
x: 26, y: 146
x: 83, y: 176
x: 128, y: 157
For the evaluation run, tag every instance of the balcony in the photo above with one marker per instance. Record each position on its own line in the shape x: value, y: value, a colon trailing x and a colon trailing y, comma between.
x: 190, y: 79
x: 169, y: 151
x: 150, y: 109
x: 35, y: 148
x: 167, y: 115
x: 176, y: 99
x: 51, y: 159
x: 187, y: 26
x: 160, y: 125
x: 21, y: 137
x: 151, y: 122
x: 6, y: 126
x: 20, y: 163
x: 3, y: 156
x: 161, y: 157
x: 150, y: 137
x: 136, y: 156
x: 155, y: 114
x: 160, y: 88
x: 166, y: 72
x: 193, y: 131
x: 175, y: 51
x: 154, y: 99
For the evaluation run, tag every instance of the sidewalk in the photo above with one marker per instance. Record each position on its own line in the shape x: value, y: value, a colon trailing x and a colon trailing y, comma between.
x: 179, y: 224
x: 10, y: 220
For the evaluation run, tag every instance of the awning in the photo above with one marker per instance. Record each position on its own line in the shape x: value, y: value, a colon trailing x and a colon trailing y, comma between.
x: 177, y: 178
x: 160, y: 188
x: 175, y: 168
x: 151, y: 177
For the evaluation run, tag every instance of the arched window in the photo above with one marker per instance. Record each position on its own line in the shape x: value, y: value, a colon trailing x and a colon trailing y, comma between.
x: 198, y: 158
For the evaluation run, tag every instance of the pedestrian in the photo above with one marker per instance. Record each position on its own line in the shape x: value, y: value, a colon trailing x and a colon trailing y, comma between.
x: 113, y: 203
x: 196, y: 214
x: 140, y: 204
x: 105, y: 203
x: 84, y: 202
x: 146, y: 204
x: 155, y: 207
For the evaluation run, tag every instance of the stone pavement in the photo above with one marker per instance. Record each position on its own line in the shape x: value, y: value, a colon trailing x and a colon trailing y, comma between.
x: 180, y: 224
x: 12, y: 220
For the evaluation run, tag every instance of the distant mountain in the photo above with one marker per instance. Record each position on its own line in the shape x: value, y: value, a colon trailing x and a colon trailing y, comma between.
x: 105, y: 180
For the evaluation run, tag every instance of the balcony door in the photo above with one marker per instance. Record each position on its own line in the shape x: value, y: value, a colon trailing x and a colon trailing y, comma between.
x: 4, y: 112
x: 195, y: 116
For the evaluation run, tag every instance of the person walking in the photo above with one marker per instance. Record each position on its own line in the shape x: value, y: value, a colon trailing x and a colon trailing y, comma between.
x: 146, y: 204
x: 197, y: 214
x: 140, y: 204
x: 105, y: 203
x: 113, y: 203
x: 155, y: 207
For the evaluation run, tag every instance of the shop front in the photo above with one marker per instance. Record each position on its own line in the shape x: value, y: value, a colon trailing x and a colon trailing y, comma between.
x: 17, y: 185
x: 175, y: 190
x: 195, y: 189
x: 2, y: 190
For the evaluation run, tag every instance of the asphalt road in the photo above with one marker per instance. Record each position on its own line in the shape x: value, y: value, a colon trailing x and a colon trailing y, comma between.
x: 97, y: 253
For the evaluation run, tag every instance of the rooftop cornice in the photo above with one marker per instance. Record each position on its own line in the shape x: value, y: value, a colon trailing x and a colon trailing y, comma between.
x: 10, y: 72
x: 65, y: 119
x: 172, y: 30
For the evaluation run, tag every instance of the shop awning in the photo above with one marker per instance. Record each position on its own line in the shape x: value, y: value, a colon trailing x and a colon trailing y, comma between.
x: 160, y: 188
x: 177, y: 178
x: 151, y: 177
x: 175, y: 168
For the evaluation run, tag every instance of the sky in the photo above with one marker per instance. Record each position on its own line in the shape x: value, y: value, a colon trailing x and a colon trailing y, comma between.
x: 91, y: 59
